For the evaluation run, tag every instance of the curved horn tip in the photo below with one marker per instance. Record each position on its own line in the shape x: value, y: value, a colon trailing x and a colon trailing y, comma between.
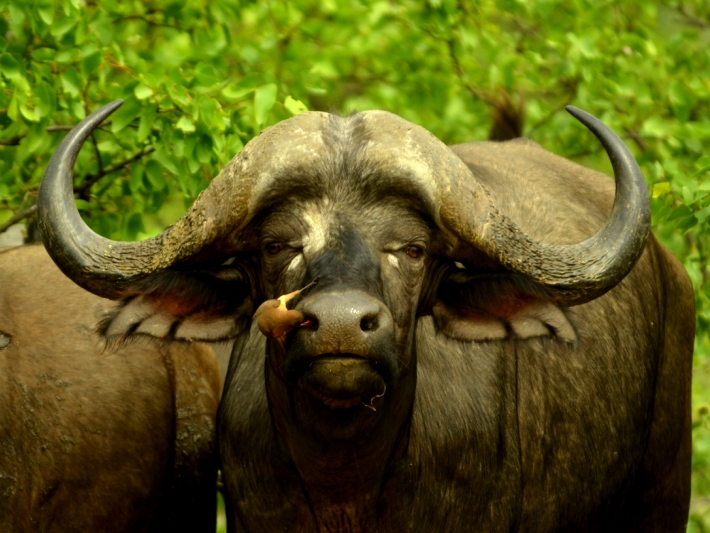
x: 581, y: 115
x: 108, y: 109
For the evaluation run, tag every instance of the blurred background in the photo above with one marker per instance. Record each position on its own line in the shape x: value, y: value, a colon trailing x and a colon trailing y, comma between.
x: 201, y: 77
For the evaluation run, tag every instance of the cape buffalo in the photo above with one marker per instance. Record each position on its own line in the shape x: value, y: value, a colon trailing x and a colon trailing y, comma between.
x: 116, y: 440
x: 472, y: 338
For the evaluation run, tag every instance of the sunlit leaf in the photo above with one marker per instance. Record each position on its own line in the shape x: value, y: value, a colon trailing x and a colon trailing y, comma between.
x: 294, y: 106
x: 185, y: 124
x: 264, y: 99
x: 659, y: 189
x: 142, y: 91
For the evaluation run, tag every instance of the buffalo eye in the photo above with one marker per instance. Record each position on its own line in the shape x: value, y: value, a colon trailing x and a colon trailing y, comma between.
x: 415, y: 252
x: 274, y: 248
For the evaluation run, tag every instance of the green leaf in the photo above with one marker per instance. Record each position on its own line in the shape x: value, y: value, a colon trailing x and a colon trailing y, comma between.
x: 82, y: 205
x: 294, y: 106
x: 136, y: 177
x: 166, y: 160
x: 135, y: 225
x: 654, y: 126
x: 46, y: 13
x: 238, y: 90
x: 206, y: 75
x: 681, y: 100
x: 103, y: 28
x: 142, y: 91
x: 185, y: 125
x: 687, y: 223
x: 208, y: 108
x: 13, y: 108
x: 126, y: 114
x: 77, y: 110
x: 154, y: 172
x: 10, y: 66
x: 659, y: 189
x: 146, y: 122
x: 204, y: 149
x: 264, y: 99
x: 62, y: 25
x: 680, y: 212
x: 27, y: 112
x: 688, y: 195
x: 699, y: 172
x: 67, y: 56
x: 234, y: 144
x: 91, y: 62
x: 43, y: 54
x: 70, y: 82
x: 179, y: 94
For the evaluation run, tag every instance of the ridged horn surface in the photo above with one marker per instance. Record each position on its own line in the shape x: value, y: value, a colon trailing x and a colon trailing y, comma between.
x: 574, y: 273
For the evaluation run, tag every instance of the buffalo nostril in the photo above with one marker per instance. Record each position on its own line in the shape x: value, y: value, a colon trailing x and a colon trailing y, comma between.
x: 369, y: 323
x: 310, y: 322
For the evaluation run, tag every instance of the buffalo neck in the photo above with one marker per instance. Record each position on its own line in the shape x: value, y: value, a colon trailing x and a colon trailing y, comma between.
x: 343, y: 457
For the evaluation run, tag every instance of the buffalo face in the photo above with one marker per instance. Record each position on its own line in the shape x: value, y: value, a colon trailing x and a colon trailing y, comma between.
x: 355, y: 341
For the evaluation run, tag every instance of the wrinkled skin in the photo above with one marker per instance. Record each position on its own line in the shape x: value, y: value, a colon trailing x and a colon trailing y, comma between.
x: 120, y: 440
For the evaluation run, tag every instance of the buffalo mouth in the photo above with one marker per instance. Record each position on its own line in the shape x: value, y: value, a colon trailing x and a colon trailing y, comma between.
x: 342, y: 381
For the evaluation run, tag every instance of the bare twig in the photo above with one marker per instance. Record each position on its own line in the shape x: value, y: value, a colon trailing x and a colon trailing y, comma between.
x: 17, y: 217
x: 84, y: 189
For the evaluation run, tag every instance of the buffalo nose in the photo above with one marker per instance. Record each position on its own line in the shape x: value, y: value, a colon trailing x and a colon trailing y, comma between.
x: 345, y: 323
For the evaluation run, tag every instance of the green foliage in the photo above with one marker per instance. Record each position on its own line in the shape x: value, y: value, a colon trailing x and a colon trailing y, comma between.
x: 189, y: 104
x: 199, y: 79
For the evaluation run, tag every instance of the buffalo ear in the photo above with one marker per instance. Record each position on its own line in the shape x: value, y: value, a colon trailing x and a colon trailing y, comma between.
x: 499, y: 306
x: 208, y: 305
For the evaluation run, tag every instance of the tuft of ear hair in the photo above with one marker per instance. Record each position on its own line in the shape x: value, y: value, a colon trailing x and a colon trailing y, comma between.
x: 209, y: 305
x: 488, y: 307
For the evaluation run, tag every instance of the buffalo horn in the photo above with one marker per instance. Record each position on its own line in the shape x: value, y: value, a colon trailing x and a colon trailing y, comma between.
x: 100, y: 265
x: 575, y: 273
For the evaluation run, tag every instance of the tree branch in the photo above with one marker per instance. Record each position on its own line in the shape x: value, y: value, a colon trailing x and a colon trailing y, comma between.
x: 17, y: 217
x: 17, y: 138
x: 84, y: 189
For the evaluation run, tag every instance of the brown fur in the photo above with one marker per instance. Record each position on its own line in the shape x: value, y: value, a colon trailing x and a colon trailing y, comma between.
x: 93, y: 440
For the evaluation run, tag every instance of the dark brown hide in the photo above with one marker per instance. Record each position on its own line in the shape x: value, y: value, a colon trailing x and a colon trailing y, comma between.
x: 120, y: 440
